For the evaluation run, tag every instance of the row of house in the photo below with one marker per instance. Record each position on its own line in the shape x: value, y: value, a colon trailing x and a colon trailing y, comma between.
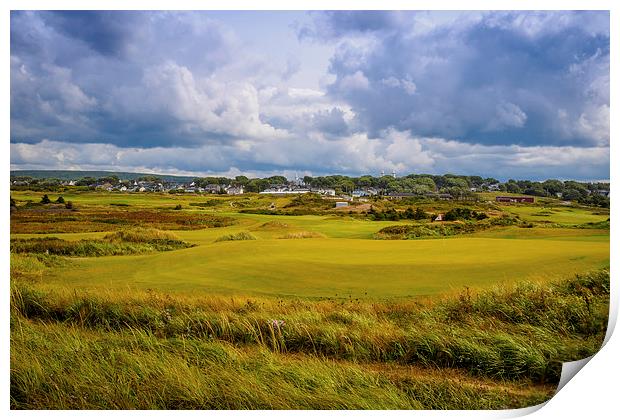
x: 149, y: 186
x: 298, y: 189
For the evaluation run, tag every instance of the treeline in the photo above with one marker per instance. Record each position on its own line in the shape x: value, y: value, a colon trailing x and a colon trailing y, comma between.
x: 249, y: 185
x: 591, y: 193
x: 458, y: 186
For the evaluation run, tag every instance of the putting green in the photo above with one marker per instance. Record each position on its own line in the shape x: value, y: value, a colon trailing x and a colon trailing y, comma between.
x: 338, y: 267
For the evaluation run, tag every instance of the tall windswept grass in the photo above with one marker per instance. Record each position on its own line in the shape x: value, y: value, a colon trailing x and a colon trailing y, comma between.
x: 510, y: 334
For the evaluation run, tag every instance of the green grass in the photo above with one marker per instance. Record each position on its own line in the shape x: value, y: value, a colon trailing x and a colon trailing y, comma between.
x: 344, y: 261
x: 558, y: 214
x: 475, y: 320
x: 325, y: 267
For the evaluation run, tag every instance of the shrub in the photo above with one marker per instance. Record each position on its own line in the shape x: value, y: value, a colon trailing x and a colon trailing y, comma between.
x: 60, y: 200
x: 45, y: 199
x: 178, y: 207
x: 463, y: 213
x: 69, y: 205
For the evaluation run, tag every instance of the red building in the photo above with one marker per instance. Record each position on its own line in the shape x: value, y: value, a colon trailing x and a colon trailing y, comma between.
x: 506, y: 199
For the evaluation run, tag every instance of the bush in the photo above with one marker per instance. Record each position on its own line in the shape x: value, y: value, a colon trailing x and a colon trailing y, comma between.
x: 45, y: 199
x: 60, y: 200
x: 463, y: 213
x: 69, y: 205
x: 426, y: 231
x: 178, y: 207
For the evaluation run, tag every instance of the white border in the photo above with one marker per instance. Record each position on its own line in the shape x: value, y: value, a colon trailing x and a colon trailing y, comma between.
x: 592, y: 393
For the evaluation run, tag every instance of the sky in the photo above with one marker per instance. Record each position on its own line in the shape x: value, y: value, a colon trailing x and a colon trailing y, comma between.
x: 522, y: 95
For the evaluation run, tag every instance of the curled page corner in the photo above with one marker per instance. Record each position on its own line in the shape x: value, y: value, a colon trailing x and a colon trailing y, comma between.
x: 570, y: 369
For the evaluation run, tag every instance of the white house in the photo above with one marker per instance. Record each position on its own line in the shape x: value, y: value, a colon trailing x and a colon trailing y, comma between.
x: 234, y: 190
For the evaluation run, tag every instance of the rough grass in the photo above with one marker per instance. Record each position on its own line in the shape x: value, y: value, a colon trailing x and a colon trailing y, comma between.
x: 67, y: 367
x: 134, y: 241
x: 101, y: 219
x: 524, y: 332
x: 302, y: 235
x: 442, y: 229
x: 142, y: 235
x: 240, y: 236
x: 274, y: 224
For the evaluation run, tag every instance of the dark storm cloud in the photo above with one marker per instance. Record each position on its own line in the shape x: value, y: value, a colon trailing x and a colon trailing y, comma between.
x: 501, y: 79
x: 106, y: 32
x: 89, y: 76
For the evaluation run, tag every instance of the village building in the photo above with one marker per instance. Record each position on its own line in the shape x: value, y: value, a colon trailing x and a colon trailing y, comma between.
x: 509, y: 199
x: 234, y: 190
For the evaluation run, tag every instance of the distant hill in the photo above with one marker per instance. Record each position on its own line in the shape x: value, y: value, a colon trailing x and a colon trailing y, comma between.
x: 75, y: 175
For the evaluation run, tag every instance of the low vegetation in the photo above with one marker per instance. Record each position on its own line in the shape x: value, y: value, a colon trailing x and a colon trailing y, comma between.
x: 517, y: 335
x: 460, y: 223
x: 302, y: 235
x: 65, y: 219
x: 240, y: 236
x: 137, y: 241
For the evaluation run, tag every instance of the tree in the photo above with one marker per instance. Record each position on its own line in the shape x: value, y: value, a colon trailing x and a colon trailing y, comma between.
x: 45, y: 199
x: 419, y: 214
x: 60, y: 200
x: 148, y: 178
x: 571, y: 194
x: 512, y: 187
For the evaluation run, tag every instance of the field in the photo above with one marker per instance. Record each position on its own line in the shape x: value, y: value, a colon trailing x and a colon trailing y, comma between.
x: 315, y: 303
